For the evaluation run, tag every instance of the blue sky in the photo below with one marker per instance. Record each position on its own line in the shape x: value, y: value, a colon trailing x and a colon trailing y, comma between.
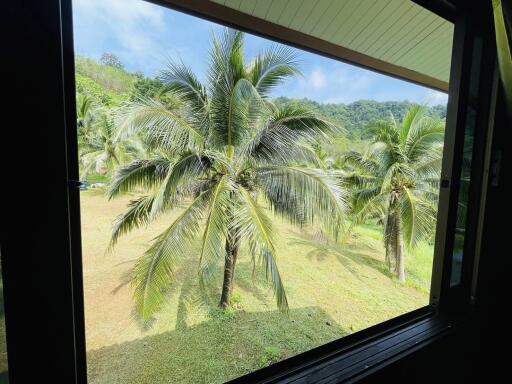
x: 146, y: 36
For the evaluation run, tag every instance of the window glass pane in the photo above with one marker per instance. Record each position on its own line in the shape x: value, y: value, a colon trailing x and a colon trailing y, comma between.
x: 465, y: 178
x: 242, y: 201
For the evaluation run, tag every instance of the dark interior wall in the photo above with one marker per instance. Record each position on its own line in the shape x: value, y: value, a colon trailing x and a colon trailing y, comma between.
x: 34, y: 213
x: 494, y: 285
x: 35, y: 222
x: 449, y: 360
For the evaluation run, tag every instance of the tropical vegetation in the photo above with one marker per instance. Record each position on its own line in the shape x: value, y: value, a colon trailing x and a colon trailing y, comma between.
x: 218, y: 190
x: 228, y: 151
x: 396, y: 180
x: 237, y: 158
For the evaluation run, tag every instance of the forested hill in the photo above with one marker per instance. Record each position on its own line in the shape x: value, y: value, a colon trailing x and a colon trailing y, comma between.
x: 356, y: 116
x: 109, y: 84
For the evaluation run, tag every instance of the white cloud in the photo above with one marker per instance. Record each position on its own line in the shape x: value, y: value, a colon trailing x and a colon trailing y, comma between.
x: 317, y: 79
x: 133, y: 24
x: 128, y: 11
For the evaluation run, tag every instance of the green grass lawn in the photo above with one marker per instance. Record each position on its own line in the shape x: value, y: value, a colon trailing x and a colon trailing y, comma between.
x: 333, y: 290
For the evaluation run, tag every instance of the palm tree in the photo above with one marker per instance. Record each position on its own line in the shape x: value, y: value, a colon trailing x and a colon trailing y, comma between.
x: 101, y: 149
x: 84, y: 116
x: 397, y: 179
x: 228, y: 152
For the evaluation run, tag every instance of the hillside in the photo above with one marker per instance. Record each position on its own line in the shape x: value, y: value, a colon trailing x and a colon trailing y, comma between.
x: 356, y: 116
x: 109, y: 86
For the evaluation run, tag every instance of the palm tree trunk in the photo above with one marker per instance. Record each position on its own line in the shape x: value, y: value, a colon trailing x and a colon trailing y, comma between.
x: 391, y: 236
x: 234, y: 258
x: 400, y: 255
x: 388, y: 238
x: 232, y: 246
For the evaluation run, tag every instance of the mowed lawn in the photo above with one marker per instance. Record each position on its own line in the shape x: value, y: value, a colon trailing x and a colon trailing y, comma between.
x: 332, y: 291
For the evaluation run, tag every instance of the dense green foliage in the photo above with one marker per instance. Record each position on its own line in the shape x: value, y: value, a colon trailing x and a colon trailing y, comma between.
x: 107, y: 85
x: 145, y: 87
x: 356, y: 116
x: 396, y: 181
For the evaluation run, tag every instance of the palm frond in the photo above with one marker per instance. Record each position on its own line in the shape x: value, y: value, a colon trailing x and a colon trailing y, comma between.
x: 425, y: 135
x: 428, y: 166
x: 413, y: 116
x: 250, y: 222
x: 158, y: 123
x: 84, y: 104
x: 285, y: 134
x: 369, y: 203
x: 226, y: 59
x: 362, y: 165
x: 317, y: 195
x: 137, y: 215
x: 240, y: 110
x: 215, y: 230
x: 418, y: 217
x: 144, y: 174
x: 385, y: 150
x: 183, y: 82
x: 188, y: 167
x: 153, y: 273
x: 226, y: 69
x: 272, y: 67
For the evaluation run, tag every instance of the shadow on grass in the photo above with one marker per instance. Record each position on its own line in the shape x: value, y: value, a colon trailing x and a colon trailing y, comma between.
x: 254, y: 283
x: 345, y: 253
x: 226, y: 346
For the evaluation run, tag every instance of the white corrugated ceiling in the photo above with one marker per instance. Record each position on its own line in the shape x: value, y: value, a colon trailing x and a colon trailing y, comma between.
x: 399, y: 32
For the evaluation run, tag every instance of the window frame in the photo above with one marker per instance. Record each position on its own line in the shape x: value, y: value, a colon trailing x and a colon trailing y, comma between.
x: 444, y: 300
x: 403, y: 333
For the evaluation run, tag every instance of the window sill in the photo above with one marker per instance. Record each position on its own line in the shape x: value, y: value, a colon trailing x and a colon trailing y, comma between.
x: 358, y: 355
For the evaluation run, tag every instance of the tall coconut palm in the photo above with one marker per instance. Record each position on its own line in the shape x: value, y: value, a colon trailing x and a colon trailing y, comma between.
x: 397, y: 181
x: 228, y: 152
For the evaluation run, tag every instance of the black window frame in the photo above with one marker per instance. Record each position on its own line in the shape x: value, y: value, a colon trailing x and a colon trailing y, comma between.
x: 350, y: 358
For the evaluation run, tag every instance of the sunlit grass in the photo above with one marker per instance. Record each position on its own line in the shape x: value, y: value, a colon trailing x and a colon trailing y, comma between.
x: 333, y: 290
